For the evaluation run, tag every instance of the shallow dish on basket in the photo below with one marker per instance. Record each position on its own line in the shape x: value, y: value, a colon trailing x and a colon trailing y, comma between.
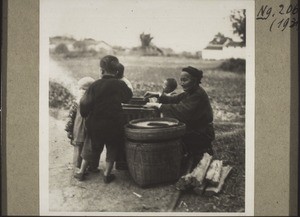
x: 154, y: 133
x: 154, y: 148
x: 153, y: 123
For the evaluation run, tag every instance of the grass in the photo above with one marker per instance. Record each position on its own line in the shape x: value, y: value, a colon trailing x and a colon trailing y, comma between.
x: 229, y: 146
x: 227, y: 94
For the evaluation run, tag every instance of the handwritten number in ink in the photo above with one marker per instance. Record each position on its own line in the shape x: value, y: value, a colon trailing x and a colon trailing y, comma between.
x: 281, y: 6
x: 285, y: 24
x: 295, y: 10
x: 279, y: 19
x: 289, y: 10
x: 293, y: 22
x: 296, y: 23
x: 272, y: 25
x: 279, y: 23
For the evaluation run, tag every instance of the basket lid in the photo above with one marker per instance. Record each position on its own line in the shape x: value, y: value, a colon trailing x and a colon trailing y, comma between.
x: 153, y: 123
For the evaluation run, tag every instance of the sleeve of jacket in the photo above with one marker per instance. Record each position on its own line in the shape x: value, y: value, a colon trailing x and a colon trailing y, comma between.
x: 170, y: 99
x: 184, y: 110
x: 87, y: 102
x: 71, y: 119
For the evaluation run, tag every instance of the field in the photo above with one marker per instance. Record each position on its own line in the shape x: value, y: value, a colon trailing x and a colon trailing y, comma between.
x: 227, y: 94
x: 225, y: 89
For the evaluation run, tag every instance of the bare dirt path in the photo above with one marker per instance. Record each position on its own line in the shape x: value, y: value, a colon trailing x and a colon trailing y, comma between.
x: 70, y: 195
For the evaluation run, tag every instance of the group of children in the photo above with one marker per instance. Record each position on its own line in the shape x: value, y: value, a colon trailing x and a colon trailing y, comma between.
x: 77, y: 129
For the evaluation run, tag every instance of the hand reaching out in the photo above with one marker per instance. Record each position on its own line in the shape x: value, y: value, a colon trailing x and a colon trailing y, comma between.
x: 152, y: 105
x: 150, y: 94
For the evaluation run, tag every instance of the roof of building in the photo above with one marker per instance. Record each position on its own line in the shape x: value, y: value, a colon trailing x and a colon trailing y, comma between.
x: 214, y: 47
x: 234, y: 44
x: 226, y: 44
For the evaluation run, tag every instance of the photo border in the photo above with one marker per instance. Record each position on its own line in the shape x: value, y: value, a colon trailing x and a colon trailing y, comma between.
x: 21, y: 42
x: 249, y: 127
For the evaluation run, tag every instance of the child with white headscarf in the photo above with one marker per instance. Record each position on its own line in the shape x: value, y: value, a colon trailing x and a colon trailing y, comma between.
x: 76, y: 124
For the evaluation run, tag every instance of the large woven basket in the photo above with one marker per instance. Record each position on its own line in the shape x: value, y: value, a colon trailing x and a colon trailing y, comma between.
x: 155, y: 162
x: 154, y: 154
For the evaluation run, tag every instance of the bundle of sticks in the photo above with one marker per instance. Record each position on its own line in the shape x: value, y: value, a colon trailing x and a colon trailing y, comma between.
x: 207, y: 178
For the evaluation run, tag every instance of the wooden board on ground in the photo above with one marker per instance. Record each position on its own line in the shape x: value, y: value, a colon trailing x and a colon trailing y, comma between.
x: 215, y: 190
x: 214, y: 172
x: 197, y: 176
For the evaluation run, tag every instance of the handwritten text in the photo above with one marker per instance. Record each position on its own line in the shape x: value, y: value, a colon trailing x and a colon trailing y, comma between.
x: 281, y: 17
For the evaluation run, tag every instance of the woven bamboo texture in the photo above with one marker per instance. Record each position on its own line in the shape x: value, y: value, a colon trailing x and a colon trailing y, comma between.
x: 154, y: 162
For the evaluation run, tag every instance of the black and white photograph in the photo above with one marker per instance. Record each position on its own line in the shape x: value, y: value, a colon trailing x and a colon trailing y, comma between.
x: 147, y: 107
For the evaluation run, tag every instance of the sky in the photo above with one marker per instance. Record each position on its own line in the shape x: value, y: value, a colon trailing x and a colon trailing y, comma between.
x: 183, y: 25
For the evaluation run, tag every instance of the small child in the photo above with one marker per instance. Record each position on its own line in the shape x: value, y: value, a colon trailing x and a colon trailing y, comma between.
x: 120, y: 75
x: 76, y: 125
x: 169, y: 86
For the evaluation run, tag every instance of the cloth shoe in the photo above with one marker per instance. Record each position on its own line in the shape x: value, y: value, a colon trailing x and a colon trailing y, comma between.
x: 109, y: 178
x: 93, y: 170
x: 79, y: 176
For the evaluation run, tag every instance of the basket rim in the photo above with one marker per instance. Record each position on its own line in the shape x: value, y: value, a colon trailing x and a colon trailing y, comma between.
x: 155, y: 134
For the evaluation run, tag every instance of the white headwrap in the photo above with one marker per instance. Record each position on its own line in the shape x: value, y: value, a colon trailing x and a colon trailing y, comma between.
x: 83, y: 85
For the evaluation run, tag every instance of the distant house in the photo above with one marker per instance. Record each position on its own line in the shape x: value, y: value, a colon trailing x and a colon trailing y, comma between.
x: 84, y: 45
x: 224, y: 49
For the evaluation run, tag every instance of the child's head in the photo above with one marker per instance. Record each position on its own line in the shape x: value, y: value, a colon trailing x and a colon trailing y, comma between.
x: 109, y: 65
x: 170, y: 84
x: 120, y: 71
x: 85, y: 82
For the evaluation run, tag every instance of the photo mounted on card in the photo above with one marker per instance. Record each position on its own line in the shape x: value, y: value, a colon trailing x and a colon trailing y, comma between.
x: 147, y: 107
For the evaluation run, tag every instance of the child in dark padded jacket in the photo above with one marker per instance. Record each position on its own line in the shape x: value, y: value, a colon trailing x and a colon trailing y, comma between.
x: 102, y: 106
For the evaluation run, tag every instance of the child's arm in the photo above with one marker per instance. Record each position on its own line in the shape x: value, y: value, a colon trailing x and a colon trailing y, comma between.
x: 71, y: 119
